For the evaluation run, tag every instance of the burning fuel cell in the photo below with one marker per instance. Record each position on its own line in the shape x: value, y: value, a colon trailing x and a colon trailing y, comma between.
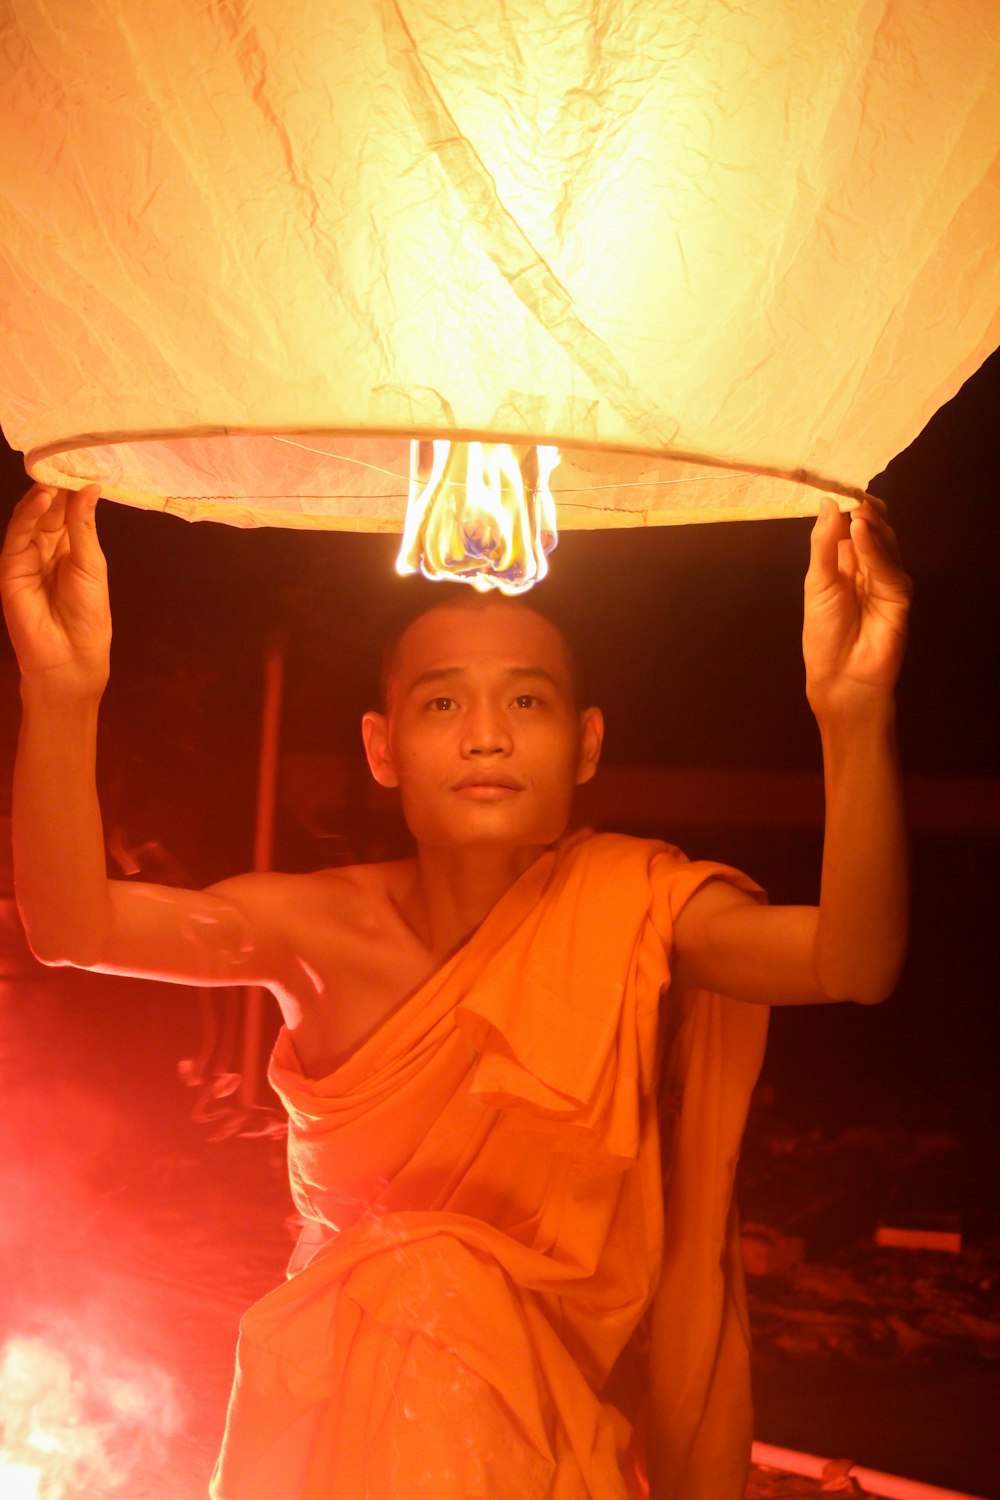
x: 479, y: 513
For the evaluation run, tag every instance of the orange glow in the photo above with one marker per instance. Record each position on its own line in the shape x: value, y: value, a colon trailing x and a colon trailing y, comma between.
x: 492, y: 527
x: 77, y: 1417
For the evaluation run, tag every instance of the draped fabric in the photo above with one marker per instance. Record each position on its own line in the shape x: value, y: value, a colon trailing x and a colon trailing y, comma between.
x: 483, y: 1189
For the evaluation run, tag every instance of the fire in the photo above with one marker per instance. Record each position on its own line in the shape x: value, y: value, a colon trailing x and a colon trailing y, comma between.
x: 77, y: 1420
x: 18, y: 1481
x: 492, y: 527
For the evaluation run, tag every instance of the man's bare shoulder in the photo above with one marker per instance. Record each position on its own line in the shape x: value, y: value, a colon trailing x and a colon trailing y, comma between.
x: 339, y: 951
x: 347, y: 895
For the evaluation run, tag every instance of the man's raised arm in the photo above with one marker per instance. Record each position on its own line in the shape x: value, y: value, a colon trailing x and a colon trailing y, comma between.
x: 53, y: 580
x: 851, y: 946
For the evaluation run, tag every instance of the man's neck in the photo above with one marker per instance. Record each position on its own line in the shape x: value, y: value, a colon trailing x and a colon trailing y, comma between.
x: 454, y: 889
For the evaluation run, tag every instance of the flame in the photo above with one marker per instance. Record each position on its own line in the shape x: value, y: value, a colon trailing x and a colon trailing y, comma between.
x: 18, y: 1481
x: 76, y: 1421
x: 494, y: 528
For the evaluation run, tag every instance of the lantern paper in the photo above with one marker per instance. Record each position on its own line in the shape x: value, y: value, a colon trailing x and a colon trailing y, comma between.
x: 724, y: 256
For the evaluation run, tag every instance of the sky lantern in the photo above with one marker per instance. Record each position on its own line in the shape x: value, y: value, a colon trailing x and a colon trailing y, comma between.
x: 517, y: 267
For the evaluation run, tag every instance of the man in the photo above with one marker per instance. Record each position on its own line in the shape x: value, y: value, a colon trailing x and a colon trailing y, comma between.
x: 486, y: 1046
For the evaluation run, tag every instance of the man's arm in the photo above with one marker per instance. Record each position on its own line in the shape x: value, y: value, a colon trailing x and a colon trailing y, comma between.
x: 851, y: 946
x: 54, y: 584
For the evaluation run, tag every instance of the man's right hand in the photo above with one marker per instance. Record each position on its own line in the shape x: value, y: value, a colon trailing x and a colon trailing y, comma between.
x: 53, y: 579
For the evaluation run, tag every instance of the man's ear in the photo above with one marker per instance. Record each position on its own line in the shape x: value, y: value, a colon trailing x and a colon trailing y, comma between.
x: 591, y: 740
x: 375, y: 733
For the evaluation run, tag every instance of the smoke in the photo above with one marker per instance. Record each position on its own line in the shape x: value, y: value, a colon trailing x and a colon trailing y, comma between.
x: 78, y: 1415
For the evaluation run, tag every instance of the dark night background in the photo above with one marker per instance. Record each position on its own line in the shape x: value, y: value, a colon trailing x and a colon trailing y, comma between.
x: 691, y: 639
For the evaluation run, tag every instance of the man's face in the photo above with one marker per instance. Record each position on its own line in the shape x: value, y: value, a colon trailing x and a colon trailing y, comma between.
x: 481, y: 735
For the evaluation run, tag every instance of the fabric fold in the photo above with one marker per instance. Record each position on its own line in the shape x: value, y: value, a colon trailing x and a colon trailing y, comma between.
x: 484, y: 1196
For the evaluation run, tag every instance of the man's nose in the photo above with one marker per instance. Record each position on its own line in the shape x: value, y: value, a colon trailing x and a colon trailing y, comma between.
x: 486, y: 732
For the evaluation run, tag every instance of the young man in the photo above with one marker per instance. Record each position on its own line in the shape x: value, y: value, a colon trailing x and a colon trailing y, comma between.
x: 515, y: 1089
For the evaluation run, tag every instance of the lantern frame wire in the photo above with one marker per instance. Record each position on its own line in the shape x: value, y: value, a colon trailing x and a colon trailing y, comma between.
x: 847, y: 496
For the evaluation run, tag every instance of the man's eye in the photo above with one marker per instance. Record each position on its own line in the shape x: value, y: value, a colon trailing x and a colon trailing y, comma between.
x: 526, y: 700
x: 441, y: 705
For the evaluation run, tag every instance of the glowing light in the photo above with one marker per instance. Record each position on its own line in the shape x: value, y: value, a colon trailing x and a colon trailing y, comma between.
x: 76, y: 1419
x: 493, y: 527
x: 18, y: 1481
x: 726, y: 256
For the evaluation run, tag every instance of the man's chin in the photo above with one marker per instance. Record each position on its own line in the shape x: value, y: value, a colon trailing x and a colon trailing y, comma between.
x: 523, y: 820
x: 490, y: 833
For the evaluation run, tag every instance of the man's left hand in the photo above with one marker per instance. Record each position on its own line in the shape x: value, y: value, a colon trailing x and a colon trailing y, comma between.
x: 857, y: 598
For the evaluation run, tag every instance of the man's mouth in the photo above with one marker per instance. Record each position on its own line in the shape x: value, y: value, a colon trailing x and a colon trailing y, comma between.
x: 487, y: 786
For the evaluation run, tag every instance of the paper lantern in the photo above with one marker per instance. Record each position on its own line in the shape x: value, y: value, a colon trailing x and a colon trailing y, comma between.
x: 725, y: 257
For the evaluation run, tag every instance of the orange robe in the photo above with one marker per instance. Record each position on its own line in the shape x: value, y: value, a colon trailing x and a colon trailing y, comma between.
x: 484, y: 1193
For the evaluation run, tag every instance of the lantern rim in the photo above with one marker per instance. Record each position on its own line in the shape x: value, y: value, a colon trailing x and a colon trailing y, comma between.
x: 587, y: 470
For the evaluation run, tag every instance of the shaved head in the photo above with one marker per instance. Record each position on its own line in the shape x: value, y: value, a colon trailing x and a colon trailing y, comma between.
x: 460, y: 602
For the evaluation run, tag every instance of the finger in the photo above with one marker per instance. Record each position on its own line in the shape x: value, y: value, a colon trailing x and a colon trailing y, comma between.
x: 847, y: 560
x: 38, y: 488
x: 871, y: 508
x: 830, y: 529
x: 874, y: 513
x: 53, y: 518
x: 882, y: 571
x: 864, y: 535
x: 875, y: 503
x: 81, y: 529
x: 875, y: 538
x: 24, y: 518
